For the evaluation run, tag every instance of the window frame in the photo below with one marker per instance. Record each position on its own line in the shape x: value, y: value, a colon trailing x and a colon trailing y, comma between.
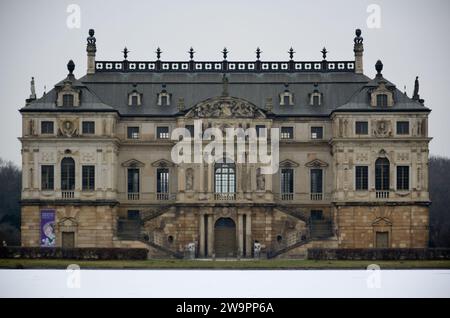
x: 85, y: 124
x: 158, y: 133
x: 291, y: 134
x: 46, y: 122
x: 400, y: 131
x: 162, y: 180
x: 138, y: 184
x: 321, y: 180
x: 401, y: 186
x: 321, y: 132
x: 130, y: 136
x: 382, y: 100
x: 71, y: 99
x: 358, y: 123
x: 362, y: 181
x: 49, y: 180
x: 88, y: 182
x: 282, y: 183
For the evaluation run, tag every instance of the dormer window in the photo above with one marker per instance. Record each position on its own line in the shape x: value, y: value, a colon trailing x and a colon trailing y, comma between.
x: 164, y: 97
x: 286, y: 97
x: 134, y: 99
x: 315, y: 98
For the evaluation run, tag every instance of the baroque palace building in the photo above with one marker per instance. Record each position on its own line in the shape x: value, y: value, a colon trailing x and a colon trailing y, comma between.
x: 98, y: 170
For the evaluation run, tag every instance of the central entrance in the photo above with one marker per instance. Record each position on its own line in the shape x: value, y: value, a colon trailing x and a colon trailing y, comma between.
x: 225, y: 238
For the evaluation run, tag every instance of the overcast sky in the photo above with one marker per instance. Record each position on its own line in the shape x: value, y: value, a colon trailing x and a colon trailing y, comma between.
x: 412, y: 40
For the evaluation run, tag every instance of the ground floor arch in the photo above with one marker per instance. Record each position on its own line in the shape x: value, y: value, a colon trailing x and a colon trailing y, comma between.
x: 225, y: 238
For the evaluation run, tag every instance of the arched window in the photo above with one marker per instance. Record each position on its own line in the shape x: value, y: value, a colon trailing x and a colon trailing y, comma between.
x: 67, y: 174
x: 225, y: 177
x: 382, y: 174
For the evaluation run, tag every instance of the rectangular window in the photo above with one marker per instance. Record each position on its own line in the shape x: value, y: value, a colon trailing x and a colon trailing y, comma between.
x: 47, y: 178
x: 287, y: 133
x: 190, y: 128
x: 316, y: 181
x: 382, y: 100
x: 403, y: 128
x: 46, y: 127
x: 162, y: 132
x: 361, y: 178
x: 362, y: 128
x: 133, y: 132
x: 316, y: 100
x: 316, y: 132
x: 163, y: 180
x: 403, y: 178
x: 287, y: 181
x: 88, y: 178
x: 133, y: 180
x: 133, y: 215
x: 88, y: 127
x: 67, y: 100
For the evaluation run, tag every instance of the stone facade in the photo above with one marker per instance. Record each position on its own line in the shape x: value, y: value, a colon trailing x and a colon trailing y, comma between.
x: 101, y: 160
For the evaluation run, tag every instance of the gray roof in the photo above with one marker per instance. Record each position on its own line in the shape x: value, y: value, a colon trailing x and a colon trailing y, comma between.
x: 108, y: 91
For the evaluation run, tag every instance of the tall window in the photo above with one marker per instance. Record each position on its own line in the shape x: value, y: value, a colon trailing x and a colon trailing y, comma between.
x: 402, y: 177
x: 133, y: 132
x: 88, y: 173
x: 162, y: 132
x: 67, y: 100
x: 287, y: 181
x: 225, y: 177
x: 133, y: 180
x: 46, y: 127
x: 190, y: 128
x: 88, y: 127
x: 47, y: 177
x: 382, y: 174
x: 403, y: 128
x: 316, y: 181
x: 162, y: 176
x: 134, y: 100
x: 361, y: 128
x: 361, y: 178
x: 315, y: 100
x: 382, y: 100
x: 67, y: 174
x: 287, y: 133
x: 316, y: 132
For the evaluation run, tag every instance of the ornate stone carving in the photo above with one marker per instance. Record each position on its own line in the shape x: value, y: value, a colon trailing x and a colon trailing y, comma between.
x: 48, y: 157
x: 87, y: 157
x: 189, y: 179
x: 362, y: 157
x: 225, y: 107
x: 68, y: 127
x: 260, y: 180
x: 382, y: 128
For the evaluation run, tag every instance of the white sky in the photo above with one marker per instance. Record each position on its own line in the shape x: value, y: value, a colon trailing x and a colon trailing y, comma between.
x: 412, y: 40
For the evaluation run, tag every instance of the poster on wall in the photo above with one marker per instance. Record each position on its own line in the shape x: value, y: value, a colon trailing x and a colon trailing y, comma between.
x: 48, y: 234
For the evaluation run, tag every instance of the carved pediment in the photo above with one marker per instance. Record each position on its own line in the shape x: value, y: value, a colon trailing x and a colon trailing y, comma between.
x: 288, y: 163
x: 225, y: 107
x: 382, y: 221
x: 162, y: 163
x: 68, y: 222
x: 133, y: 163
x: 316, y: 163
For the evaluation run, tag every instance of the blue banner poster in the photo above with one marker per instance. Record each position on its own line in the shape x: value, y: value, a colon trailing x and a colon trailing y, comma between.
x: 48, y: 228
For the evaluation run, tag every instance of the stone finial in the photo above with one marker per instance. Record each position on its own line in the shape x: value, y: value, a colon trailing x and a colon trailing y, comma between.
x: 191, y: 53
x: 91, y: 48
x: 324, y: 53
x: 225, y: 53
x: 71, y: 67
x: 358, y: 49
x: 291, y: 53
x: 125, y: 53
x: 158, y: 53
x: 358, y: 39
x: 258, y: 53
x: 379, y: 67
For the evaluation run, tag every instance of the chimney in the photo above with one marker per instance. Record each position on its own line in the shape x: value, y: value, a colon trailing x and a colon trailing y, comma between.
x: 91, y: 49
x: 358, y: 48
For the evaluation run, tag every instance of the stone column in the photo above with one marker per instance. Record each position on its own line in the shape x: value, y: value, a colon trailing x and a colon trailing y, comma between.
x: 210, y: 234
x: 202, y: 235
x: 248, y: 234
x: 241, y: 234
x: 201, y: 178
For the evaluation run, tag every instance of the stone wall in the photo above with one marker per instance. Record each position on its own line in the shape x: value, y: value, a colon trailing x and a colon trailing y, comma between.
x: 407, y: 225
